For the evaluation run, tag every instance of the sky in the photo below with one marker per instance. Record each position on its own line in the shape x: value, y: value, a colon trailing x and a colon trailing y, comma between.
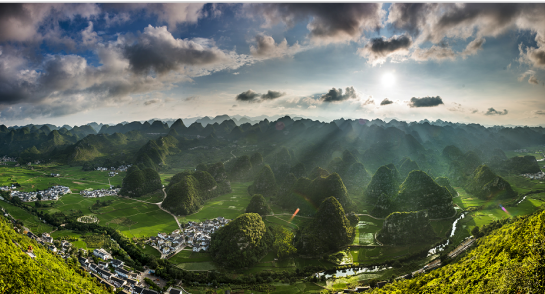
x: 72, y: 64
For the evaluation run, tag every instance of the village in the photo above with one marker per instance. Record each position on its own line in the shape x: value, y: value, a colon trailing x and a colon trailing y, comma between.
x: 109, y: 271
x: 99, y: 193
x: 537, y: 176
x: 52, y: 193
x: 196, y: 235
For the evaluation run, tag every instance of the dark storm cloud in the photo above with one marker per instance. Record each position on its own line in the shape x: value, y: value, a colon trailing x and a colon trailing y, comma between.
x: 248, y: 96
x: 272, y: 95
x: 492, y: 111
x: 426, y: 101
x: 251, y: 96
x: 330, y: 22
x: 384, y: 46
x: 335, y: 95
x: 378, y: 49
x: 386, y: 101
x: 157, y: 50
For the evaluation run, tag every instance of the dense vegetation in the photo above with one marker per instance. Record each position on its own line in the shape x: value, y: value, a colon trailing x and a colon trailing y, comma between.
x: 47, y: 273
x: 485, y: 184
x: 402, y: 228
x: 242, y: 242
x: 258, y: 205
x: 264, y: 183
x: 187, y: 192
x: 327, y: 232
x: 139, y: 182
x: 509, y: 260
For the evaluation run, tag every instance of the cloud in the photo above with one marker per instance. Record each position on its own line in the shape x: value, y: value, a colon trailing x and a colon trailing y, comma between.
x: 437, y: 53
x: 267, y: 48
x: 539, y: 112
x: 425, y: 102
x: 191, y: 98
x: 336, y: 95
x: 248, y: 96
x: 440, y: 53
x: 532, y: 78
x: 492, y: 111
x: 386, y: 101
x: 299, y: 102
x: 272, y: 95
x: 435, y: 22
x: 169, y: 13
x: 378, y: 49
x: 236, y: 73
x: 473, y: 47
x: 152, y: 101
x: 368, y: 101
x: 329, y: 22
x: 251, y: 96
x: 26, y: 22
x: 156, y: 50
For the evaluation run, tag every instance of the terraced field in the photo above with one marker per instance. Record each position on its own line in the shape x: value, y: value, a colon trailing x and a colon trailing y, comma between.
x: 38, y: 178
x: 228, y: 206
x: 30, y: 221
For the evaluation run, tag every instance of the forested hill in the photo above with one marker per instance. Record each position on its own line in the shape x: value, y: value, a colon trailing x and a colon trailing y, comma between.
x: 46, y: 273
x: 509, y: 260
x: 370, y: 144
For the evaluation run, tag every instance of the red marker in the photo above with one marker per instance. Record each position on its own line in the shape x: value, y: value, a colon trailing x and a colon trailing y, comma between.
x: 296, y: 211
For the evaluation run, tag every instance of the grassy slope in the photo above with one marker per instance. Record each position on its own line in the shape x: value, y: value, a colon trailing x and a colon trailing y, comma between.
x: 508, y: 260
x: 46, y: 274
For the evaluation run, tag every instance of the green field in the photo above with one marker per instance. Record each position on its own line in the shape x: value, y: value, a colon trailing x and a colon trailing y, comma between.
x: 73, y: 177
x: 228, y: 206
x: 30, y: 221
x: 154, y: 197
x: 151, y: 251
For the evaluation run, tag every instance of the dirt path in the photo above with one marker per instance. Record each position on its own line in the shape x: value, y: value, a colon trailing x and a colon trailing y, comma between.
x: 158, y: 205
x: 175, y: 218
x: 378, y: 218
x: 286, y: 221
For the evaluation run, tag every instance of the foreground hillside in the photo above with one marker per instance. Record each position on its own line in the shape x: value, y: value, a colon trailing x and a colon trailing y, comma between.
x: 510, y: 260
x: 44, y: 274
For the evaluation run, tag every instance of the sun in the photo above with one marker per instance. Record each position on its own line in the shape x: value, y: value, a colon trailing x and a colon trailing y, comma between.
x: 388, y: 79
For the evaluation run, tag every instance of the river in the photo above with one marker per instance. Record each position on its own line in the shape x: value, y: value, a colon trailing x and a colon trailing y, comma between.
x: 351, y: 271
x: 441, y: 247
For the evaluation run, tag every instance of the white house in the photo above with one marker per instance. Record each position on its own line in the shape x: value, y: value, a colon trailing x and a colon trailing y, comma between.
x: 102, y: 254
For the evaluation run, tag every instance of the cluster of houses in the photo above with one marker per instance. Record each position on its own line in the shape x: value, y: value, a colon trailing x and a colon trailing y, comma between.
x: 47, y: 241
x: 4, y: 159
x: 196, y: 235
x: 7, y: 188
x: 99, y: 193
x: 537, y: 176
x: 120, y: 278
x: 52, y: 193
x: 7, y: 159
x: 121, y: 168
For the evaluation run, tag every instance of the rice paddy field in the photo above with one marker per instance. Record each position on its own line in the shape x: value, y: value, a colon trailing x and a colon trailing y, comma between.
x: 38, y: 178
x: 30, y: 221
x: 279, y: 288
x: 228, y: 206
